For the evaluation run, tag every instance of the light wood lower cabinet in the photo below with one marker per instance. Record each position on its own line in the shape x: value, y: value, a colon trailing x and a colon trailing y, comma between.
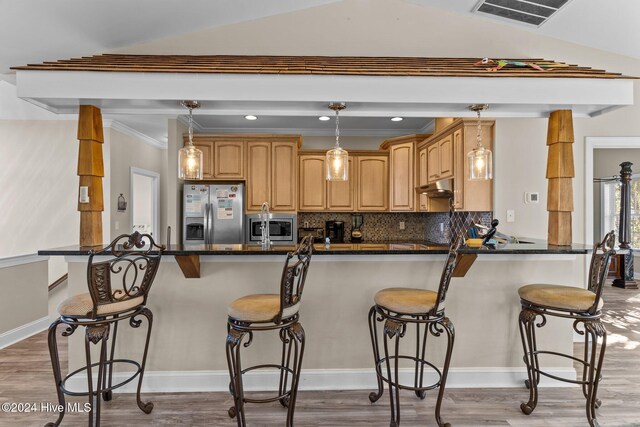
x: 373, y: 183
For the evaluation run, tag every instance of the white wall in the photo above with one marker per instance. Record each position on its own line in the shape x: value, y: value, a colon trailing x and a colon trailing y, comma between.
x: 128, y: 151
x: 39, y: 185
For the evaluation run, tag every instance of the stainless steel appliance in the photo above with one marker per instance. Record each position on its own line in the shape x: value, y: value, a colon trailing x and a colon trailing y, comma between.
x: 283, y: 229
x: 438, y: 189
x: 213, y: 213
x: 317, y: 233
x: 335, y: 231
x: 356, y: 228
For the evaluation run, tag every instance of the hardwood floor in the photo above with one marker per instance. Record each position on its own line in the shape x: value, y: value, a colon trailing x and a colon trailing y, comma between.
x: 25, y: 376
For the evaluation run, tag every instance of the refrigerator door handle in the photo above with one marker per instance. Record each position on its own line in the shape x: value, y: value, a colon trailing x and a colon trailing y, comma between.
x: 206, y: 223
x: 211, y: 230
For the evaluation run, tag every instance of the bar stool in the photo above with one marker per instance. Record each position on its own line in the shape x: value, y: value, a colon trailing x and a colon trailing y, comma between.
x: 101, y: 309
x: 267, y: 312
x: 399, y: 307
x: 583, y: 306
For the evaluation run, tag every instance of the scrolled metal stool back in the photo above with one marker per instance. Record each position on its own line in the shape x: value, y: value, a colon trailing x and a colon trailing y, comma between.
x: 134, y: 261
x: 447, y: 272
x: 294, y: 275
x: 599, y: 268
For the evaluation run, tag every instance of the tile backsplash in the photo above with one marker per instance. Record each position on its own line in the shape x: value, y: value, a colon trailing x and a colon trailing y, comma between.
x: 433, y: 227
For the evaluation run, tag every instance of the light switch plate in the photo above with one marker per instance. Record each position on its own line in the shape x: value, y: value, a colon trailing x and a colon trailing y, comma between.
x: 84, y: 194
x: 511, y: 215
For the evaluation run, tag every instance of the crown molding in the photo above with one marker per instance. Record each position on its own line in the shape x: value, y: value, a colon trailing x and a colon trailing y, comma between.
x: 122, y: 128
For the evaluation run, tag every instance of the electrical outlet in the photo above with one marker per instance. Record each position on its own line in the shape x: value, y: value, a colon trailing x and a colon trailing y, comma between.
x: 117, y: 225
x: 402, y: 225
x: 511, y: 215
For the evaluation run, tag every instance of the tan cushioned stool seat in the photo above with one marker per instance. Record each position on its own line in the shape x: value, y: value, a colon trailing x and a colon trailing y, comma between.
x: 406, y: 300
x: 81, y: 305
x: 259, y: 308
x: 558, y: 296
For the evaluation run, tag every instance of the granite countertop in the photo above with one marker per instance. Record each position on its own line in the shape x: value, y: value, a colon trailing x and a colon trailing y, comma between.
x: 525, y: 247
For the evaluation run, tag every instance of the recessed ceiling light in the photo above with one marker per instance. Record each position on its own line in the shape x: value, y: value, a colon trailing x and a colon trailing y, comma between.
x: 251, y: 117
x: 324, y: 118
x: 396, y: 119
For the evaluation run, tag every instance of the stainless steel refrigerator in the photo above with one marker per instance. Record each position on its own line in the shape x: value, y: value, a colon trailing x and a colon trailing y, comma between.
x: 213, y: 213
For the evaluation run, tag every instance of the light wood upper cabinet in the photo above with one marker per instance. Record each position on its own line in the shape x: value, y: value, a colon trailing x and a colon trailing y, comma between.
x: 373, y: 183
x: 440, y: 158
x: 423, y: 178
x: 445, y: 151
x: 207, y: 158
x: 228, y: 159
x: 402, y: 177
x: 258, y: 174
x: 341, y: 194
x: 312, y: 192
x: 283, y: 176
x: 433, y: 162
x: 458, y: 170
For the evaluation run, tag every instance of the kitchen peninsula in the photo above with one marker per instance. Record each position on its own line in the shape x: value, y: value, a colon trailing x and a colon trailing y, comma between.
x: 342, y: 280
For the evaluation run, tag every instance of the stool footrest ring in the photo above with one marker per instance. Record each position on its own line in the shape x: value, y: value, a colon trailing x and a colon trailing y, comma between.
x: 436, y: 384
x: 268, y: 399
x: 113, y: 387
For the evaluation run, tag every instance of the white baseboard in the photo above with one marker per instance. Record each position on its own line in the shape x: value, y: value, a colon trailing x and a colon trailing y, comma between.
x: 322, y: 379
x: 25, y: 331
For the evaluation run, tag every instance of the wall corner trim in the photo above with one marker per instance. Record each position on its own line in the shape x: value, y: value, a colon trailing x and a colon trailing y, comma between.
x: 12, y: 261
x: 25, y: 331
x: 127, y: 130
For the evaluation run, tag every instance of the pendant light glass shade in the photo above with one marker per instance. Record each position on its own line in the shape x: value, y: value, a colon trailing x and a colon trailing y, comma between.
x: 337, y: 159
x: 480, y: 164
x: 480, y: 159
x: 189, y: 157
x: 189, y: 163
x: 337, y: 162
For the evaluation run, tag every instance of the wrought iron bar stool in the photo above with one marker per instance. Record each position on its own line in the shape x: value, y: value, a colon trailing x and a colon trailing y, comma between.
x: 583, y: 306
x: 267, y: 312
x: 398, y: 308
x: 132, y: 260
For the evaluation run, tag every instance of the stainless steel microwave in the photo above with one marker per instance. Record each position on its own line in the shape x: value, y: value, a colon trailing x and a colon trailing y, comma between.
x: 283, y: 229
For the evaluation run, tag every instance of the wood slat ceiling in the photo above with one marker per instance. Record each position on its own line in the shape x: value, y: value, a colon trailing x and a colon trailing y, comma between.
x: 321, y: 65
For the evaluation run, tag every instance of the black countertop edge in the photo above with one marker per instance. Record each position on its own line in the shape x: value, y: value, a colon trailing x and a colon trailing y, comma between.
x: 532, y: 247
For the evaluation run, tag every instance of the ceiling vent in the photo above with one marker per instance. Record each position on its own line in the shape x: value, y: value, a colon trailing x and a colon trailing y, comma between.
x: 531, y: 12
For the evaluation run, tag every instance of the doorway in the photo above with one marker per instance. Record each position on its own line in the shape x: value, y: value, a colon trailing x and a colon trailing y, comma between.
x: 591, y: 144
x: 145, y: 201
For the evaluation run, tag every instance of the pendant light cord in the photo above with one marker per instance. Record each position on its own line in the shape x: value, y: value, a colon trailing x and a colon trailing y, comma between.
x: 479, y: 135
x: 191, y: 126
x: 337, y: 129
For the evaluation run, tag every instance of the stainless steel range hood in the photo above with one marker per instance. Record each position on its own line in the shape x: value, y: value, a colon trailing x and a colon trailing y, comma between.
x: 438, y: 189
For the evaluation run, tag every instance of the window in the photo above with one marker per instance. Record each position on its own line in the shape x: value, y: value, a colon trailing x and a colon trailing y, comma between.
x: 610, y: 197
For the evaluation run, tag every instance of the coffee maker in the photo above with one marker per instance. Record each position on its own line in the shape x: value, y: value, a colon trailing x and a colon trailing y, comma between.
x: 356, y: 228
x: 335, y: 231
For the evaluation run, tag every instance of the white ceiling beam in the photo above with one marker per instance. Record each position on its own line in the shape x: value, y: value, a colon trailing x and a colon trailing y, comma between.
x: 515, y: 97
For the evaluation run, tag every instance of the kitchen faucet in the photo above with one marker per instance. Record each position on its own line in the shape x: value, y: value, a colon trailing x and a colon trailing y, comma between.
x: 265, y: 240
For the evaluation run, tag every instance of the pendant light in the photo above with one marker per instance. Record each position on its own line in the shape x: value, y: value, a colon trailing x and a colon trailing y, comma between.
x: 337, y: 161
x: 480, y: 159
x: 189, y: 157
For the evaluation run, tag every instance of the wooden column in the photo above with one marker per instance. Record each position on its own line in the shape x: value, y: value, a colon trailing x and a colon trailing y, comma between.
x: 560, y: 174
x: 91, y: 172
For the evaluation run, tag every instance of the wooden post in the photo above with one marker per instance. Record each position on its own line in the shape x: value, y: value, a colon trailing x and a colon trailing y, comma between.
x: 91, y: 172
x: 560, y: 174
